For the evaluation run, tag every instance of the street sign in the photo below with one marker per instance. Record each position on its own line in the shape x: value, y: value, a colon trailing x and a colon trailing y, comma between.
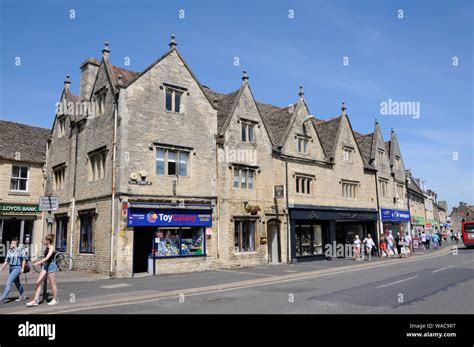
x: 48, y: 203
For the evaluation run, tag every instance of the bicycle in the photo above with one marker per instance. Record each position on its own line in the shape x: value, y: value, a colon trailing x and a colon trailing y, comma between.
x: 64, y: 261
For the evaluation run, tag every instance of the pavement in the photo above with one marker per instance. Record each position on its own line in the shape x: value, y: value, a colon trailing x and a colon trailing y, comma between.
x: 435, y: 281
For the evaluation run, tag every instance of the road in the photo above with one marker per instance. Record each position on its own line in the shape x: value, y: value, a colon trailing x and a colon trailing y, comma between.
x: 442, y: 284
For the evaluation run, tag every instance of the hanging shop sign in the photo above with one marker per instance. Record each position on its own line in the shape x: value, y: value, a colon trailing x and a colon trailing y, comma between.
x: 163, y: 218
x: 389, y: 214
x: 10, y: 208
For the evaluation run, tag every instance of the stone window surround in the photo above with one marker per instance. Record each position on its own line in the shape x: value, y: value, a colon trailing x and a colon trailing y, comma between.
x: 385, y: 181
x: 304, y: 139
x: 350, y: 151
x: 92, y: 212
x: 304, y: 176
x: 176, y: 148
x: 247, y: 123
x: 56, y: 171
x: 61, y: 126
x: 246, y: 168
x: 99, y: 98
x: 174, y: 88
x: 356, y: 185
x: 244, y: 218
x: 27, y: 179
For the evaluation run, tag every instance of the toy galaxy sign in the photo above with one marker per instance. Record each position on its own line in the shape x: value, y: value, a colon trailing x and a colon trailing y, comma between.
x: 152, y: 217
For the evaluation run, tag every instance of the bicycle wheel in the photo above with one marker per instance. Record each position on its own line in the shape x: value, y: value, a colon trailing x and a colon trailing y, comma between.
x: 37, y: 268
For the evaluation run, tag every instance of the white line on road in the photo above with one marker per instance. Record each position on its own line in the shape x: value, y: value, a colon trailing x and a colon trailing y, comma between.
x: 247, y: 273
x: 469, y: 261
x: 443, y: 268
x: 118, y: 285
x: 389, y: 284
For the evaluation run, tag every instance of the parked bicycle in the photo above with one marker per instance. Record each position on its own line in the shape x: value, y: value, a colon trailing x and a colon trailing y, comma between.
x: 63, y: 260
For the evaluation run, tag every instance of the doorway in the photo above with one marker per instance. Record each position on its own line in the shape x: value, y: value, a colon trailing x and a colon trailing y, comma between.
x: 142, y: 248
x: 273, y: 243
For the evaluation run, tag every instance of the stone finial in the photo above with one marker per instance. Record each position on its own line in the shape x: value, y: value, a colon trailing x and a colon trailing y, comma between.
x: 376, y: 121
x: 245, y: 76
x: 392, y: 130
x: 301, y: 92
x: 106, y: 50
x: 173, y: 43
x: 344, y: 108
x: 67, y: 82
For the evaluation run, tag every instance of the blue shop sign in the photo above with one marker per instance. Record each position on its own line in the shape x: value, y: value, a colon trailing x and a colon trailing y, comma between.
x: 172, y: 217
x: 395, y: 215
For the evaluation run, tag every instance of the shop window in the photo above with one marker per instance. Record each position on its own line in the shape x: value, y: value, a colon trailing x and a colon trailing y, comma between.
x: 19, y: 179
x: 243, y: 178
x: 349, y: 190
x: 87, y: 233
x: 383, y: 188
x: 174, y: 100
x: 97, y: 164
x: 302, y: 145
x: 171, y: 162
x: 59, y: 174
x: 180, y: 242
x: 303, y: 184
x: 309, y: 240
x: 347, y: 154
x: 244, y: 238
x: 61, y: 233
x: 248, y: 132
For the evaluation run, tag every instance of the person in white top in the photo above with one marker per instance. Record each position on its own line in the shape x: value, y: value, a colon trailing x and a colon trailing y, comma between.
x: 369, y: 243
x: 356, y: 247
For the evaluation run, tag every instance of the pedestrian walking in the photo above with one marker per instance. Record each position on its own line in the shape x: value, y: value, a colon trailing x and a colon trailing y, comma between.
x: 435, y: 240
x: 49, y: 270
x: 423, y: 239
x: 383, y: 247
x: 428, y: 241
x: 408, y: 244
x: 390, y: 243
x: 16, y: 260
x: 399, y: 243
x: 369, y: 244
x: 356, y: 248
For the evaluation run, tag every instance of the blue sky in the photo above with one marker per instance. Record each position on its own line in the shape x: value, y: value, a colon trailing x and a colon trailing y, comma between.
x: 409, y: 59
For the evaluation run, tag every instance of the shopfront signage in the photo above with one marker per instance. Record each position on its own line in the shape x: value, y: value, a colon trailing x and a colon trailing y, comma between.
x: 10, y: 208
x: 333, y: 215
x: 389, y: 214
x: 163, y: 218
x: 417, y: 220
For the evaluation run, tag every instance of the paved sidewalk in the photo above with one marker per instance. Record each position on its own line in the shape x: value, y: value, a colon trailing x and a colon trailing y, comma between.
x: 88, y: 290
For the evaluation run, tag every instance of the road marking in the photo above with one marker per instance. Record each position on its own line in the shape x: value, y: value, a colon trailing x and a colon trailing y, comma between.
x: 118, y: 285
x: 247, y: 273
x: 389, y: 284
x: 443, y: 268
x: 469, y: 261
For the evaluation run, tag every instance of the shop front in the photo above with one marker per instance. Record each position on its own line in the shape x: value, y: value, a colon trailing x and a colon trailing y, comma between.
x: 18, y: 221
x: 167, y: 233
x: 417, y: 225
x: 323, y: 232
x: 394, y: 221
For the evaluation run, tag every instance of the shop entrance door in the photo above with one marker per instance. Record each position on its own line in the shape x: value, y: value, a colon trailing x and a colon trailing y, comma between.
x: 142, y: 248
x: 273, y: 243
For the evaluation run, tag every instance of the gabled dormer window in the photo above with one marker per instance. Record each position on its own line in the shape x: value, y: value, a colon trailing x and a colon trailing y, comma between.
x: 248, y: 132
x: 347, y: 154
x: 99, y: 97
x: 61, y: 126
x: 302, y: 144
x: 174, y: 99
x: 381, y: 156
x: 397, y: 162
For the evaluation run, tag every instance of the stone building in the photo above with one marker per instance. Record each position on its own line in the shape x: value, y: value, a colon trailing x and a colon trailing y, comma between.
x: 157, y: 172
x: 390, y: 178
x: 416, y: 202
x: 459, y: 214
x: 22, y: 157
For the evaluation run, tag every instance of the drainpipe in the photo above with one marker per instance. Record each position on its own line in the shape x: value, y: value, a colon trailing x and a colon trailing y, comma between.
x: 218, y: 200
x: 288, y: 249
x: 112, y: 226
x: 73, y: 200
x: 379, y: 223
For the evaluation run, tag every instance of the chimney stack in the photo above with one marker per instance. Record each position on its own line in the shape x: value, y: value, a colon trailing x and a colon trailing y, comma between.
x: 89, y: 69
